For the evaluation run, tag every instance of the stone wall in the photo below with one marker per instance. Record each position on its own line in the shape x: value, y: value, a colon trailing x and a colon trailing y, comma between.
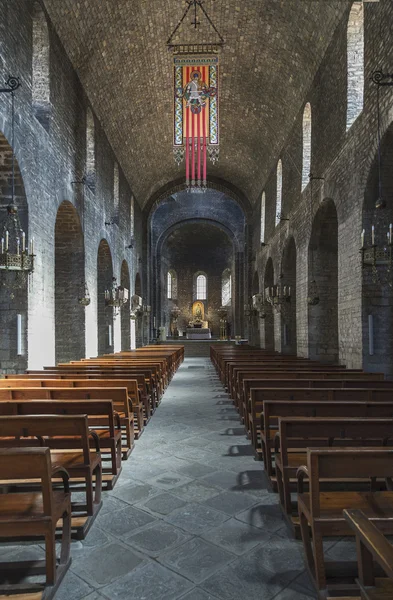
x: 343, y: 159
x: 52, y: 155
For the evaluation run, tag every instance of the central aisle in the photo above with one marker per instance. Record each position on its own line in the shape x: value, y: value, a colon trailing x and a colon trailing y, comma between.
x: 190, y: 516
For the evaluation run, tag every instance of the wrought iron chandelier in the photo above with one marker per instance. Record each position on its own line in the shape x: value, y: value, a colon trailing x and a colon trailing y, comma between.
x: 278, y: 295
x: 116, y: 296
x: 15, y: 253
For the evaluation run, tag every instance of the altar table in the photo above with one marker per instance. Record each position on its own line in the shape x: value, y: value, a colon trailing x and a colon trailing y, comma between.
x: 194, y: 333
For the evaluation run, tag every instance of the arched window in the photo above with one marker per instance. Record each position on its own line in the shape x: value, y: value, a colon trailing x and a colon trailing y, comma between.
x: 306, y: 169
x: 201, y: 287
x: 90, y: 150
x: 226, y: 288
x: 132, y: 216
x: 172, y: 285
x: 116, y: 191
x: 279, y: 192
x: 40, y: 67
x: 263, y: 216
x: 355, y: 62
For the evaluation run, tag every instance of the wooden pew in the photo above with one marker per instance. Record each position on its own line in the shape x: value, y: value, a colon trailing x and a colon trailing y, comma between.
x: 130, y: 408
x: 372, y: 546
x: 101, y: 418
x: 296, y: 434
x: 82, y: 463
x: 335, y: 392
x: 325, y: 406
x: 34, y: 514
x: 321, y: 513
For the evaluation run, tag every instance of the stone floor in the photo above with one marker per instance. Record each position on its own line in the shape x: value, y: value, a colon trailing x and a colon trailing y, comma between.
x: 190, y: 517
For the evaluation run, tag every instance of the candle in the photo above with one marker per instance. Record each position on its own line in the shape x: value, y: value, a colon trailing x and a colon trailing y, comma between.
x: 154, y: 322
x: 362, y: 236
x: 18, y: 246
x: 372, y: 235
x: 32, y: 246
x: 23, y: 241
x: 390, y: 233
x: 6, y: 240
x: 285, y: 290
x: 289, y: 291
x: 2, y: 245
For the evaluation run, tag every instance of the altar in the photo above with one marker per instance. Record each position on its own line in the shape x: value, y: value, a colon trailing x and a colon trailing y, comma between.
x: 198, y: 333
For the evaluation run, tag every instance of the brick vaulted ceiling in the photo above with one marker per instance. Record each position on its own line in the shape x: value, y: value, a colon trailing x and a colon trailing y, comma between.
x: 272, y: 51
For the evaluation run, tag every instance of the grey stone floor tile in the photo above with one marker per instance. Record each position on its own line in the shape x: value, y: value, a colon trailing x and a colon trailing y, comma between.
x: 243, y: 578
x: 162, y: 504
x: 196, y: 518
x: 196, y: 559
x: 231, y: 502
x: 169, y: 480
x: 151, y: 582
x: 195, y: 470
x: 73, y: 587
x: 106, y: 564
x: 157, y: 539
x: 133, y: 492
x: 264, y: 516
x: 198, y: 594
x: 197, y: 491
x: 111, y: 503
x: 123, y: 522
x: 235, y: 536
x: 13, y: 552
x: 92, y: 596
x: 293, y: 593
x: 282, y: 557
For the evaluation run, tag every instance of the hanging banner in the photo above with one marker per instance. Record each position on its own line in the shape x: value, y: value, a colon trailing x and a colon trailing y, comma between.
x: 196, y: 115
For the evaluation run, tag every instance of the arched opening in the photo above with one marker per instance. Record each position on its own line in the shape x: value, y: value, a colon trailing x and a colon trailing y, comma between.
x: 132, y: 219
x: 40, y: 67
x: 323, y: 285
x: 13, y: 285
x: 288, y: 311
x: 355, y: 62
x: 172, y: 285
x: 104, y: 313
x: 269, y: 318
x: 90, y: 150
x: 263, y: 218
x: 139, y: 318
x: 125, y: 322
x: 279, y: 193
x: 306, y: 168
x: 377, y: 284
x: 200, y: 286
x: 69, y: 285
x: 226, y: 288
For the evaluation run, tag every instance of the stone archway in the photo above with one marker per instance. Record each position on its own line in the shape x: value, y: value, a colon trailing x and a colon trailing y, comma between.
x: 377, y: 285
x: 125, y: 322
x: 323, y: 285
x: 288, y: 312
x: 268, y: 323
x: 13, y: 285
x: 69, y: 285
x: 104, y: 313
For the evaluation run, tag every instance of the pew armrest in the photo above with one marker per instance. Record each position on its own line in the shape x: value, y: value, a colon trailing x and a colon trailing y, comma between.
x: 276, y: 443
x: 96, y: 439
x: 117, y: 419
x: 370, y: 536
x: 301, y: 474
x: 61, y: 472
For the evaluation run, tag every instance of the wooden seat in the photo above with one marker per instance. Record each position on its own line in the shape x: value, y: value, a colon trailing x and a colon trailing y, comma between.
x: 321, y: 513
x: 34, y: 514
x: 372, y: 546
x: 82, y: 463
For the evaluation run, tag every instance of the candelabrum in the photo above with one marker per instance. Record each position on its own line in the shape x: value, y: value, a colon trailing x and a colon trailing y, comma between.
x: 277, y: 296
x: 85, y: 299
x: 116, y: 296
x: 15, y: 255
x: 175, y: 312
x: 378, y: 255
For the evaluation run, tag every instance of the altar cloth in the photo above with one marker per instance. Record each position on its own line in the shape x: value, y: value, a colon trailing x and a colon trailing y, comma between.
x: 198, y: 333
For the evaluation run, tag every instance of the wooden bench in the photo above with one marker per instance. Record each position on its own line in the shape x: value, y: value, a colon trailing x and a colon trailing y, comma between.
x: 131, y: 413
x: 34, y: 514
x: 101, y: 418
x: 272, y: 410
x: 321, y: 513
x: 82, y: 463
x: 315, y: 394
x: 297, y: 434
x: 372, y: 546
